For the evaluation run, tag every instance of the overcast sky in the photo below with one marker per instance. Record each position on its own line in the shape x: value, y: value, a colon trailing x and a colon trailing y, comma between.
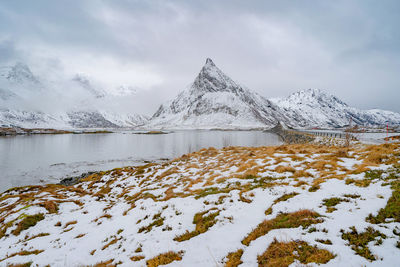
x: 348, y: 48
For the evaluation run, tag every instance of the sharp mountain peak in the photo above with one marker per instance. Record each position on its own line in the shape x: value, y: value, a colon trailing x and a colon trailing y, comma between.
x: 213, y: 79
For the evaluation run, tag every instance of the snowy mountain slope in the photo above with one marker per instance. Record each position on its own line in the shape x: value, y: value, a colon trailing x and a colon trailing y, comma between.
x: 19, y: 73
x: 124, y: 119
x: 6, y: 94
x: 29, y: 119
x: 313, y: 107
x: 215, y: 100
x: 17, y: 81
x: 84, y: 82
x: 66, y: 120
x: 78, y: 103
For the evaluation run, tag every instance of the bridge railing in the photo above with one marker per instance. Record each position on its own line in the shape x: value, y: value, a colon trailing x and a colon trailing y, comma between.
x: 343, y: 135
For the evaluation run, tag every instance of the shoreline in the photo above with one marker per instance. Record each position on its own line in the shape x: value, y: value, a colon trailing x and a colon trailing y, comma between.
x: 14, y: 131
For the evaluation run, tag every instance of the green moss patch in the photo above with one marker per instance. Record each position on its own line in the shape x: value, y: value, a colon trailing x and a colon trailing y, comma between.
x: 359, y: 241
x: 302, y: 218
x: 391, y: 212
x: 330, y: 203
x: 27, y: 222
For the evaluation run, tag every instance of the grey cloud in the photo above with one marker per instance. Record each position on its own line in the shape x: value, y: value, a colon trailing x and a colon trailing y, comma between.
x: 349, y: 48
x: 7, y: 51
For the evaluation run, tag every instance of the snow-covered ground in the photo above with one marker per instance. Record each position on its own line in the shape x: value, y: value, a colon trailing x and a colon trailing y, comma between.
x: 206, y: 204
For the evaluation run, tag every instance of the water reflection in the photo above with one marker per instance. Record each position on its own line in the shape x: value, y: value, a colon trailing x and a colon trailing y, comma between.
x: 47, y: 158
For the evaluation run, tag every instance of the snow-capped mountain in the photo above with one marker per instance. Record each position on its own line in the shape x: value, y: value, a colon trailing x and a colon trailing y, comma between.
x: 316, y: 108
x: 215, y: 101
x: 6, y: 94
x: 125, y: 90
x: 19, y: 73
x: 18, y: 80
x: 84, y: 82
x: 79, y: 103
x: 69, y: 120
x: 28, y: 119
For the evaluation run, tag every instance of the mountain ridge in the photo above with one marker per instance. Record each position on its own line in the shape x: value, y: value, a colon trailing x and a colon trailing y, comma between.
x: 202, y: 105
x: 213, y: 100
x: 314, y: 107
x: 20, y: 89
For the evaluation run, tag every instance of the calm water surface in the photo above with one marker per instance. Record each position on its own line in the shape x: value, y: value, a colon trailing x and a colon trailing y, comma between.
x: 41, y: 159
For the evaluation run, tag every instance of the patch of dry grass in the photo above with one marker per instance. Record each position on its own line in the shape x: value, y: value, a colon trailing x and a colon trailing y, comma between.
x: 27, y: 264
x: 70, y: 223
x: 23, y: 253
x: 242, y: 198
x: 112, y: 242
x: 35, y: 236
x: 301, y: 173
x: 165, y: 258
x: 203, y: 223
x: 157, y: 222
x: 285, y: 197
x: 137, y: 258
x: 302, y: 218
x: 280, y: 254
x: 80, y: 236
x: 316, y: 184
x: 108, y: 263
x: 360, y: 183
x: 283, y: 169
x: 300, y: 183
x: 234, y: 258
x: 50, y: 206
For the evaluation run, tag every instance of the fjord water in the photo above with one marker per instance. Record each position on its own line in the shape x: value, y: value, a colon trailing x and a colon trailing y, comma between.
x: 38, y: 159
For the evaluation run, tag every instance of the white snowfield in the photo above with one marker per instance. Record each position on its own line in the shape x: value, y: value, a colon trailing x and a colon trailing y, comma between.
x: 206, y: 204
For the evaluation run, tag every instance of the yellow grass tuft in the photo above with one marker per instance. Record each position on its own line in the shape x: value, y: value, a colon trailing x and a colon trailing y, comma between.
x: 165, y: 258
x: 70, y: 223
x: 137, y: 258
x: 234, y: 258
x: 50, y: 206
x: 112, y: 242
x: 282, y: 169
x: 108, y: 263
x: 203, y: 223
x: 282, y: 254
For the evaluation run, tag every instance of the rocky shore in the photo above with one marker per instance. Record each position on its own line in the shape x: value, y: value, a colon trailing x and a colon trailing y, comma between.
x: 11, y: 131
